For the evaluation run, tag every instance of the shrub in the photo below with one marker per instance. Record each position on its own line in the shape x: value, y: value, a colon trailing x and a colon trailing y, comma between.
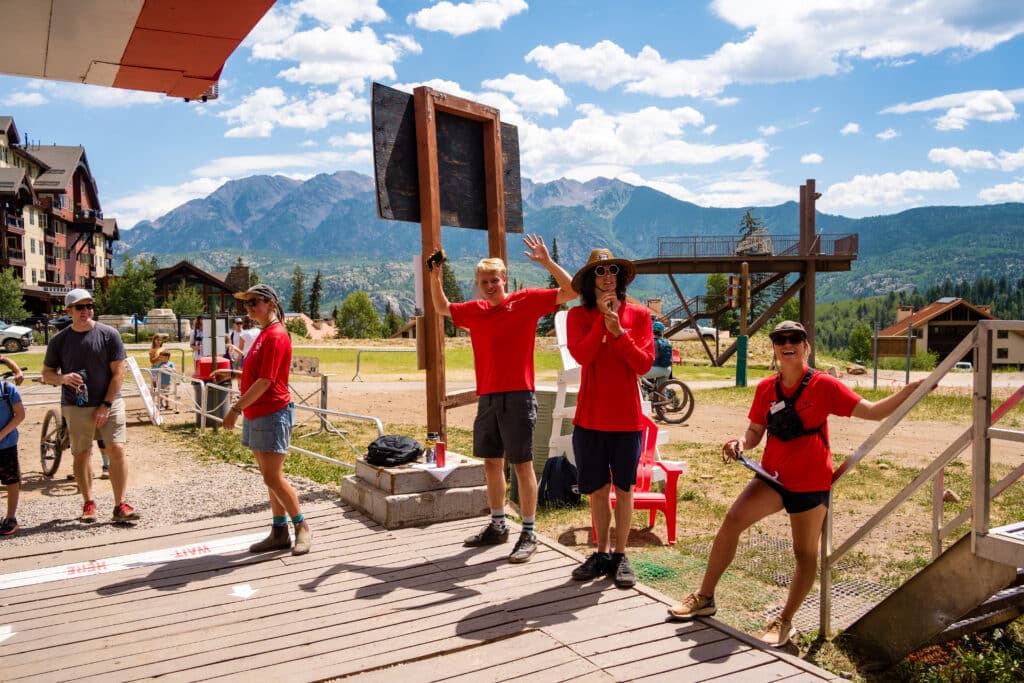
x: 297, y: 326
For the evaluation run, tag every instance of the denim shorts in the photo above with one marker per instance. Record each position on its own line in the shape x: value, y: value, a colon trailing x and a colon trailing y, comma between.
x: 270, y: 433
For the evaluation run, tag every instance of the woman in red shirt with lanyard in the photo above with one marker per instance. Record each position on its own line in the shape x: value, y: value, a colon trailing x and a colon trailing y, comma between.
x: 793, y: 407
x: 266, y: 404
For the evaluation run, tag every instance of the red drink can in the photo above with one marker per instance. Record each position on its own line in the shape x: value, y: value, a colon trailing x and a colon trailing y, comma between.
x: 439, y: 449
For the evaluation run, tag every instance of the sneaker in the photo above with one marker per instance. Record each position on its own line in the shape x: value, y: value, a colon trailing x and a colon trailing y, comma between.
x: 8, y: 526
x: 88, y: 512
x: 526, y: 546
x: 623, y: 572
x: 125, y: 513
x: 105, y: 474
x: 694, y: 605
x: 596, y: 565
x: 778, y: 633
x: 491, y: 535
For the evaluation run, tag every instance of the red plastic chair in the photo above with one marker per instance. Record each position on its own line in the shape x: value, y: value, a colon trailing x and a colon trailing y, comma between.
x: 643, y: 497
x: 677, y: 359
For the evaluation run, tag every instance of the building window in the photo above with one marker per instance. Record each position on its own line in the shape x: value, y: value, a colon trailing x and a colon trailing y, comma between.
x: 1002, y: 334
x: 42, y: 220
x: 1002, y: 354
x: 34, y: 280
x: 31, y: 217
x: 32, y: 242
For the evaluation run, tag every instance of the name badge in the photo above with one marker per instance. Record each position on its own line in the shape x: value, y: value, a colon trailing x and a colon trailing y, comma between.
x: 776, y: 407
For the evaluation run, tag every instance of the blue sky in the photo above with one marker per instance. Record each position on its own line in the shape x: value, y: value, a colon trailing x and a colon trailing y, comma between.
x: 889, y: 104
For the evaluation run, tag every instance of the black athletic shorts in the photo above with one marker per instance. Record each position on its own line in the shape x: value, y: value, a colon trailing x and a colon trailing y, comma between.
x: 606, y: 457
x: 10, y: 470
x: 504, y: 426
x: 798, y: 501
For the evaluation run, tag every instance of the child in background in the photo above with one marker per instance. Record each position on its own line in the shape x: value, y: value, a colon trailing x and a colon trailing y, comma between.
x: 164, y: 390
x: 12, y: 412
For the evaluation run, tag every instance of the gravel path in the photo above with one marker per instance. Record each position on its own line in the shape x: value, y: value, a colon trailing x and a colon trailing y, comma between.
x: 168, y: 484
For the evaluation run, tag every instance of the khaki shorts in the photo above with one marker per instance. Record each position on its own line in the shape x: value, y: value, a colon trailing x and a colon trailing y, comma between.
x: 82, y: 426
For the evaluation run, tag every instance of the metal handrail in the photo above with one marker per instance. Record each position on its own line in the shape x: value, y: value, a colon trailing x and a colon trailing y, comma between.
x: 359, y: 353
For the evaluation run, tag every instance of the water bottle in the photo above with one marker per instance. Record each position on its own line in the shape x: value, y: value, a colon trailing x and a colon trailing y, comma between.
x: 429, y: 452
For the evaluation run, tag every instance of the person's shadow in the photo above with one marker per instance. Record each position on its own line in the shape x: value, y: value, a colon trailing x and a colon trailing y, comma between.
x: 555, y: 605
x: 178, y: 573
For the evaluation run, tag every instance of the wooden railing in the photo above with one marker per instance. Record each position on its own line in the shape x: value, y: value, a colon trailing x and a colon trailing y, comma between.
x: 705, y: 246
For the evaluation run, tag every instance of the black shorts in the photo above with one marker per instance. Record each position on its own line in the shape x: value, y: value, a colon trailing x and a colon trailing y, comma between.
x: 606, y: 457
x: 504, y: 426
x: 796, y: 502
x: 10, y: 469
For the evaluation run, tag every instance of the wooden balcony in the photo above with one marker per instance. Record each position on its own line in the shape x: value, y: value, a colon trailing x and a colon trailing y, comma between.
x: 88, y: 220
x: 15, y: 224
x: 16, y: 256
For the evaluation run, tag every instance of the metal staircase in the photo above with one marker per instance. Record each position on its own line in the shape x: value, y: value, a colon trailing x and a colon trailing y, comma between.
x: 976, y: 582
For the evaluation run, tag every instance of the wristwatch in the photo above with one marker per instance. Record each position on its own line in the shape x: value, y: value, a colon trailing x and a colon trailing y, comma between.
x: 107, y: 404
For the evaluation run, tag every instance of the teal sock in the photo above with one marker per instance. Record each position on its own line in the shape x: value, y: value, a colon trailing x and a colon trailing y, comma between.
x: 106, y: 460
x: 498, y: 519
x: 297, y: 519
x: 280, y: 520
x: 528, y: 524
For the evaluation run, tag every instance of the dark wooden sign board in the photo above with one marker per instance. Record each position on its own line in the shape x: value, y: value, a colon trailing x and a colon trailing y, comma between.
x: 460, y: 160
x: 444, y: 160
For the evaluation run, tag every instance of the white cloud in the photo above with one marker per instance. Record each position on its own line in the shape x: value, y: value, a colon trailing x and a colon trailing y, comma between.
x: 239, y: 166
x: 266, y: 108
x: 153, y: 202
x: 887, y: 134
x: 649, y: 136
x: 1007, y: 192
x: 768, y: 130
x: 747, y: 188
x: 724, y: 101
x: 964, y: 107
x: 539, y: 96
x: 466, y: 17
x: 850, y: 129
x: 977, y: 158
x: 351, y: 140
x: 709, y: 130
x: 900, y: 190
x: 812, y: 158
x: 24, y: 99
x: 788, y: 41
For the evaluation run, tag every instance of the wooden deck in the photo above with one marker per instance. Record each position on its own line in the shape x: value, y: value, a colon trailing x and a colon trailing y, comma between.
x: 188, y: 603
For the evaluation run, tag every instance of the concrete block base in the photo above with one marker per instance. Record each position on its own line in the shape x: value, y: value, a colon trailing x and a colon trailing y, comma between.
x: 405, y: 496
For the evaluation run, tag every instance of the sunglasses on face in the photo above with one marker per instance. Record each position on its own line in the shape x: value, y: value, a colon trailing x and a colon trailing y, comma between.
x: 250, y: 303
x: 794, y: 339
x: 83, y: 307
x: 601, y: 271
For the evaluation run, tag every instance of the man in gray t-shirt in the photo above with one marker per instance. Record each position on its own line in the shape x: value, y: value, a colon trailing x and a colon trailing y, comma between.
x: 87, y: 360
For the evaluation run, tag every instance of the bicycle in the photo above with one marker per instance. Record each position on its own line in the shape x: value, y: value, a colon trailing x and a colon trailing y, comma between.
x: 671, y: 399
x: 53, y: 441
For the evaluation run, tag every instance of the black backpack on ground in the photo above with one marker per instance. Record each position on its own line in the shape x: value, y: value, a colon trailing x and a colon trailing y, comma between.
x: 559, y: 483
x: 392, y: 450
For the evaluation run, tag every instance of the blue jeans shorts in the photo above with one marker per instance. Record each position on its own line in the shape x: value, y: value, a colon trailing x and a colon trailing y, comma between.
x: 270, y: 433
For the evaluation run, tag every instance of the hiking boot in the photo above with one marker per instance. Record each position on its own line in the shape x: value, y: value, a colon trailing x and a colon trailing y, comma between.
x: 303, y: 537
x: 526, y: 546
x: 8, y: 526
x: 778, y: 633
x: 105, y: 474
x: 278, y: 539
x: 125, y: 513
x: 693, y: 605
x: 491, y: 535
x: 88, y: 512
x: 596, y: 565
x: 623, y: 572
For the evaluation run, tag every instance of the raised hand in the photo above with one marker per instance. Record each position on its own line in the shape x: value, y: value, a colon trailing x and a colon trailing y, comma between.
x: 537, y: 250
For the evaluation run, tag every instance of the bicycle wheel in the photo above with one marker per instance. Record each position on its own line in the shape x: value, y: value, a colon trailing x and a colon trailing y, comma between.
x: 675, y: 402
x: 52, y: 442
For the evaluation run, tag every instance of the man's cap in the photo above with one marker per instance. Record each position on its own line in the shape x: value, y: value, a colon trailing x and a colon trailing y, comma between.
x: 260, y: 291
x: 604, y: 257
x: 787, y: 326
x: 658, y: 326
x: 76, y: 295
x: 238, y: 321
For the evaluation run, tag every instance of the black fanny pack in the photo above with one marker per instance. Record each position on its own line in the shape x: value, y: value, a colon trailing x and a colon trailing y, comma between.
x: 785, y: 424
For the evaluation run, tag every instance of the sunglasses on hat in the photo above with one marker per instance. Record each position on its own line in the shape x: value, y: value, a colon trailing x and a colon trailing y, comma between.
x: 601, y: 271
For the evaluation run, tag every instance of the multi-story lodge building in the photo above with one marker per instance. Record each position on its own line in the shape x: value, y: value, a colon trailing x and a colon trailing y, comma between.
x: 52, y: 231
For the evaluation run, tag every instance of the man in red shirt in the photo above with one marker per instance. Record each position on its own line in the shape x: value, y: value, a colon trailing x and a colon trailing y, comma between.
x: 612, y: 341
x: 502, y: 329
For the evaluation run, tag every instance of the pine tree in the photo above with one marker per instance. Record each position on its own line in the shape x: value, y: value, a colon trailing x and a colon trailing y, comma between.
x: 298, y: 300
x: 392, y: 320
x: 314, y: 297
x: 454, y: 293
x: 357, y: 318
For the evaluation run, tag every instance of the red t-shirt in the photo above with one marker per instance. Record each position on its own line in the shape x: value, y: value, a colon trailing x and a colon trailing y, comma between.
x: 609, y: 398
x: 503, y: 337
x: 804, y: 463
x: 270, y: 358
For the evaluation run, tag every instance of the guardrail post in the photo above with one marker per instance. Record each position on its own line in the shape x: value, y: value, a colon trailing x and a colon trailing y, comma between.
x: 203, y: 401
x: 825, y: 601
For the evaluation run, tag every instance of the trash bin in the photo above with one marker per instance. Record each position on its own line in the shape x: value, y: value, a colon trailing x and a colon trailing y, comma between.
x: 217, y: 401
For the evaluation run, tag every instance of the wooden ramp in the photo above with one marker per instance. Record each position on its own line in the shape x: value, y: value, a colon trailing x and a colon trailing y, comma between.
x: 189, y: 603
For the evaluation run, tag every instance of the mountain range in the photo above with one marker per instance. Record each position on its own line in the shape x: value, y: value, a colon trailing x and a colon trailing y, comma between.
x: 329, y: 223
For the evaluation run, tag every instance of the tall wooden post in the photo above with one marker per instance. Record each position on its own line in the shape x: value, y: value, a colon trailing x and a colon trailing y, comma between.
x: 808, y: 242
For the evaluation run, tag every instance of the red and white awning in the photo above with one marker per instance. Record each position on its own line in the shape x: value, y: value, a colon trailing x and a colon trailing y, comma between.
x: 177, y: 47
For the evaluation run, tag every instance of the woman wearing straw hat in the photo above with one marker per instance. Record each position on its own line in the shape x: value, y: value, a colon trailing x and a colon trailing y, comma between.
x: 612, y: 341
x: 266, y: 404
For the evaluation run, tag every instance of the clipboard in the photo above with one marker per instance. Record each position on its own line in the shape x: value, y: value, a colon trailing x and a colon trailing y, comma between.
x: 756, y: 467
